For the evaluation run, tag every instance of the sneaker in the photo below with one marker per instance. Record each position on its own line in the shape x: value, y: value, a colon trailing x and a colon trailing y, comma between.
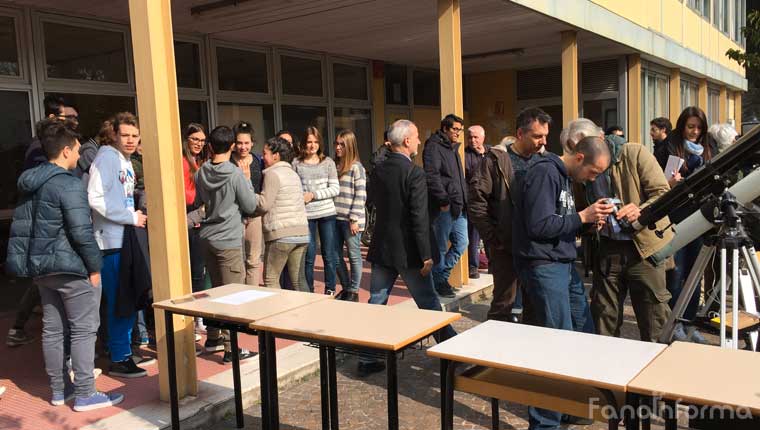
x: 2, y: 390
x: 366, y: 369
x: 578, y: 421
x: 243, y: 353
x: 348, y: 296
x: 125, y: 369
x: 199, y: 327
x: 679, y: 334
x: 60, y: 398
x: 18, y: 337
x: 445, y: 290
x: 143, y: 360
x: 474, y: 273
x: 214, y: 345
x: 142, y: 341
x: 697, y: 337
x: 329, y: 292
x: 96, y: 401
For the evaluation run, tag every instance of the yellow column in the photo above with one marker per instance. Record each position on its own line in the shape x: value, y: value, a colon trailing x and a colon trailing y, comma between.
x: 702, y: 95
x: 378, y: 102
x: 569, y: 76
x: 723, y: 105
x: 634, y: 98
x: 156, y: 80
x: 674, y: 88
x: 738, y: 110
x: 450, y: 57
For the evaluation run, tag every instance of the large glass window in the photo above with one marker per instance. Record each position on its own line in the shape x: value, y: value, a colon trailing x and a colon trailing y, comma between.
x: 689, y: 94
x: 654, y: 94
x: 396, y: 85
x: 740, y: 13
x: 15, y: 135
x: 350, y: 82
x: 260, y: 116
x: 193, y: 111
x: 241, y: 70
x: 93, y: 109
x: 360, y: 122
x: 713, y: 106
x: 301, y: 76
x: 8, y: 48
x: 296, y: 118
x: 84, y: 53
x: 187, y: 59
x: 427, y: 88
x: 602, y: 112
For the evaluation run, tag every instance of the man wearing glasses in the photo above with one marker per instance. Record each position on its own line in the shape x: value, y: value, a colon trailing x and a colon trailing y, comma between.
x: 447, y: 199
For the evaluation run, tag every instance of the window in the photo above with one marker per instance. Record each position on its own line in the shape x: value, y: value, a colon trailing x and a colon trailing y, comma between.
x: 241, y: 70
x: 360, y: 122
x: 396, y: 85
x: 296, y: 118
x: 350, y: 82
x: 427, y: 88
x: 740, y: 20
x: 701, y: 7
x: 192, y: 111
x: 301, y: 76
x: 713, y: 106
x: 655, y: 103
x: 9, y: 64
x: 260, y: 116
x: 15, y: 133
x: 93, y: 109
x: 187, y: 59
x: 689, y: 94
x: 84, y: 53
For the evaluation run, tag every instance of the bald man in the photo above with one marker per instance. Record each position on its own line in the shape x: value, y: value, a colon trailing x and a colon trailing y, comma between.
x: 474, y: 154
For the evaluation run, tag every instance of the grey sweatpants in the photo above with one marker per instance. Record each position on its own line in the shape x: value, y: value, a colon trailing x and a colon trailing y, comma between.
x: 70, y: 313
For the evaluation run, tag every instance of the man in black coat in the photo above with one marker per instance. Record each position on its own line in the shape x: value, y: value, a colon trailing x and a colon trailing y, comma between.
x: 448, y: 200
x: 401, y: 243
x: 474, y: 155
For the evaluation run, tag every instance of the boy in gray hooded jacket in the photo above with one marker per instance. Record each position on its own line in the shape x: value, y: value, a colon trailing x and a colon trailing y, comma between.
x: 228, y: 196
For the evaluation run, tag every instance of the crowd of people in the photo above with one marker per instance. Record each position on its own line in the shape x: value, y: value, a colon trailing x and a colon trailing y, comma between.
x: 79, y: 228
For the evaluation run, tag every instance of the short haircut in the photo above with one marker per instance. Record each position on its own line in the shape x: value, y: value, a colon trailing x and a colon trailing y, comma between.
x: 399, y: 131
x: 243, y: 127
x: 278, y: 145
x: 592, y: 147
x: 576, y: 130
x: 221, y: 139
x: 613, y: 128
x: 528, y: 115
x: 56, y: 135
x: 449, y: 120
x: 477, y: 129
x: 124, y: 118
x: 54, y: 104
x: 724, y: 135
x: 662, y: 123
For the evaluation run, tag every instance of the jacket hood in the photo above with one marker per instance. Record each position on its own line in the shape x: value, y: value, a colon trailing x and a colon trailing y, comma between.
x: 550, y: 157
x: 215, y: 176
x: 31, y: 180
x: 440, y: 137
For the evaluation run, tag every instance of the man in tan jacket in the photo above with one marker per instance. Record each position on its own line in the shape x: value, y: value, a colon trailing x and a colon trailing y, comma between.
x: 622, y: 264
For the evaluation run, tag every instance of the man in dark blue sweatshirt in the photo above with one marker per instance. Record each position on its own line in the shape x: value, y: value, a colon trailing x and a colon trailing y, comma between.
x: 545, y: 225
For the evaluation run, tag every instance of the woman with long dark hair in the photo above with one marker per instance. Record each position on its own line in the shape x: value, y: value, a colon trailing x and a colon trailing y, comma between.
x: 193, y: 156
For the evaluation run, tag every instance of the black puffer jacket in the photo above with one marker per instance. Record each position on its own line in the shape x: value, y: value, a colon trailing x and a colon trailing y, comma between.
x: 445, y: 175
x: 52, y: 231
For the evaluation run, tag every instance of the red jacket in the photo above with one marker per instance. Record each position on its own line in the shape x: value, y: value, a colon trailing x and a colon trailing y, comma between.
x: 189, y: 182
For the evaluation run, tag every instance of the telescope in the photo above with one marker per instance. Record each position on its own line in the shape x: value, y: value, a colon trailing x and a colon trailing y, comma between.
x: 701, y: 193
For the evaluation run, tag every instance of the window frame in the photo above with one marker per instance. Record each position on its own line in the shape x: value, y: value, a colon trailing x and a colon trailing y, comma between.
x: 652, y: 71
x: 198, y: 41
x: 290, y: 99
x: 223, y: 95
x: 344, y: 102
x: 410, y: 85
x: 19, y: 26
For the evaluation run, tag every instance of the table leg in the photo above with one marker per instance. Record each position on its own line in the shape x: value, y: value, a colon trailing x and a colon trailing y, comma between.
x: 450, y: 395
x: 631, y: 411
x: 671, y: 418
x: 648, y: 409
x: 274, y: 392
x: 324, y: 384
x: 264, y: 382
x: 172, y: 364
x: 392, y: 376
x: 236, y: 379
x: 333, y: 381
x: 444, y: 372
x: 494, y: 413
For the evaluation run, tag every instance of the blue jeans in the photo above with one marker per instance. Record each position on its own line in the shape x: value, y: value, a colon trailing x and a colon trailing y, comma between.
x: 119, y: 328
x: 327, y: 237
x: 448, y: 229
x: 197, y: 262
x: 557, y: 299
x: 420, y: 287
x: 675, y: 279
x: 352, y: 242
x: 473, y: 237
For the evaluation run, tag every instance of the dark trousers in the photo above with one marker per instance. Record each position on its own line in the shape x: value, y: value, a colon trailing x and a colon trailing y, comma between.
x: 29, y: 300
x: 473, y: 252
x: 505, y: 283
x: 619, y: 270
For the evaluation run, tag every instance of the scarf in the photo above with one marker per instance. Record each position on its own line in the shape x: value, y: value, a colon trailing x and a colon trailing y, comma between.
x: 693, y: 148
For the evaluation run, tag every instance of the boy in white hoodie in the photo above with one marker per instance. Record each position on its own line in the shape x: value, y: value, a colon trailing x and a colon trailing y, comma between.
x: 110, y: 192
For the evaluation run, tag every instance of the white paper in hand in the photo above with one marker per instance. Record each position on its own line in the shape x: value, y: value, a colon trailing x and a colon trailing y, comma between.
x: 242, y: 297
x: 673, y: 166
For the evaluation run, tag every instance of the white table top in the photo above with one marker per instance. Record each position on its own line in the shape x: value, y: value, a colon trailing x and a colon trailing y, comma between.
x: 602, y: 361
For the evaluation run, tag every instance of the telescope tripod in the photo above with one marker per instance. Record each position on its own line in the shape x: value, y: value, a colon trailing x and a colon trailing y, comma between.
x: 730, y: 241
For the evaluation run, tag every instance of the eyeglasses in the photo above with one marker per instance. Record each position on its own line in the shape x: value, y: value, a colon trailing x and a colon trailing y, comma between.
x: 456, y: 129
x: 196, y: 140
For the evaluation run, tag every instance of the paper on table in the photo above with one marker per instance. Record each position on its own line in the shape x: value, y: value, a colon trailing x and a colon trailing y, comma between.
x: 242, y: 297
x: 674, y: 165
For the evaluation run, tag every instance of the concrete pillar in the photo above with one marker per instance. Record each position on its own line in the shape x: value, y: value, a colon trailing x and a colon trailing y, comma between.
x: 570, y: 104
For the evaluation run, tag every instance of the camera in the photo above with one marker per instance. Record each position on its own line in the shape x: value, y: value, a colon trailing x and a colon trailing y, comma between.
x: 618, y: 225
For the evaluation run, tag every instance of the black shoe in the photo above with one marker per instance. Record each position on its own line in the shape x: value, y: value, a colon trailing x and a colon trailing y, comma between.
x: 329, y: 292
x: 143, y: 360
x: 514, y: 318
x: 578, y: 421
x: 348, y: 296
x: 126, y: 369
x: 445, y: 290
x: 214, y: 345
x: 243, y: 354
x: 18, y: 337
x: 474, y: 273
x: 366, y: 369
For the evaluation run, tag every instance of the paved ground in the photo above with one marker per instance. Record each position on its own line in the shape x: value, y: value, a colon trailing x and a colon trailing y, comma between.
x: 362, y: 403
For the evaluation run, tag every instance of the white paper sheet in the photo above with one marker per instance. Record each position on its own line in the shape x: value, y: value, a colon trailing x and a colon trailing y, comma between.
x: 673, y: 166
x: 242, y: 297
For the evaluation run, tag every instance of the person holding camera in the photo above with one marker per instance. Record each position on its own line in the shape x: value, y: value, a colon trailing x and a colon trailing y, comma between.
x: 623, y: 266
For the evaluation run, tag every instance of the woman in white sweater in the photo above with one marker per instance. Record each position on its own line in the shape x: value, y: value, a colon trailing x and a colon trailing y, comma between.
x: 286, y: 230
x: 319, y: 179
